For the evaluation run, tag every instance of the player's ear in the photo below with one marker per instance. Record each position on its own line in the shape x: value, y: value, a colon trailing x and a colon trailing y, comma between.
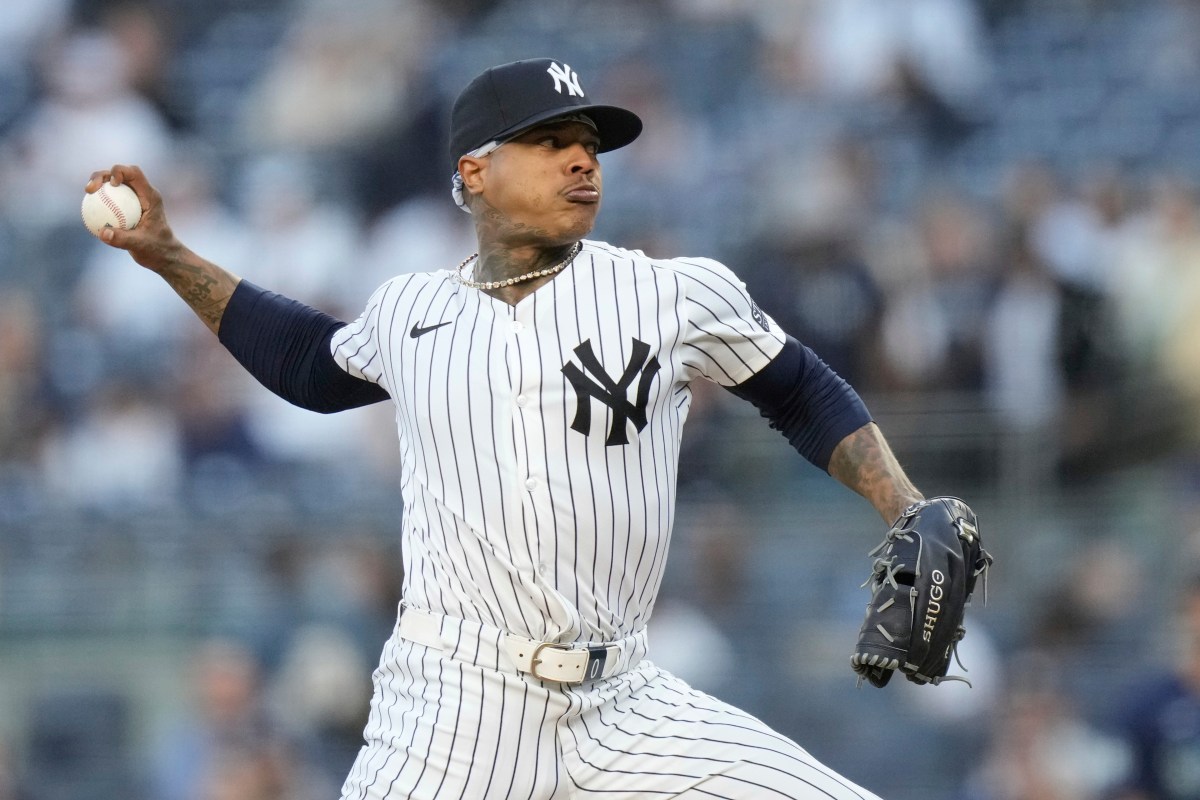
x: 472, y: 171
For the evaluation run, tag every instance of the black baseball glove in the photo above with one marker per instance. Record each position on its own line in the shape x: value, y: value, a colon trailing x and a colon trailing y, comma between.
x: 921, y: 582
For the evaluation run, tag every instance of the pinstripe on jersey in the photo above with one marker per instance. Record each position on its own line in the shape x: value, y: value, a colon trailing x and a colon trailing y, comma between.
x: 512, y: 516
x: 539, y: 446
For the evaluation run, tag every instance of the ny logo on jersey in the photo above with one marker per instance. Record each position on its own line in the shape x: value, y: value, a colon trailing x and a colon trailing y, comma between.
x: 613, y: 393
x: 564, y: 75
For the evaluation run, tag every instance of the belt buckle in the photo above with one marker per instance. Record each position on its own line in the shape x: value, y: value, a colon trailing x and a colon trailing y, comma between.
x: 593, y: 669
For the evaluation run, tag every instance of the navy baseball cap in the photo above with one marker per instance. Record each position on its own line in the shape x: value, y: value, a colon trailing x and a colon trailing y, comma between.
x: 510, y: 98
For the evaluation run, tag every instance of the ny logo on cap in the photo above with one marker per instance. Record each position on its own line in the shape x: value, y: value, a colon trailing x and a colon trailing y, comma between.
x: 565, y: 75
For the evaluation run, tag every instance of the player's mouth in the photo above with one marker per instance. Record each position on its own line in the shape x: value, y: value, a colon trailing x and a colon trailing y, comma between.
x: 583, y: 193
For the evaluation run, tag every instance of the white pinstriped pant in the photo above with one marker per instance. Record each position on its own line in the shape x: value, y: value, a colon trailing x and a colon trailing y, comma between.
x: 452, y: 725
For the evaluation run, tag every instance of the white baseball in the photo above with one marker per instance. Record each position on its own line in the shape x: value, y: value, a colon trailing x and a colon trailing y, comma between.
x: 111, y: 207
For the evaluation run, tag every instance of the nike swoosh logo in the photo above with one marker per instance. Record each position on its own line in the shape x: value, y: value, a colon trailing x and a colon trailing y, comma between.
x: 417, y: 330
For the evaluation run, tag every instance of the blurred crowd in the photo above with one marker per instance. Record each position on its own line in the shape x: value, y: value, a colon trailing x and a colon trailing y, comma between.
x: 303, y: 147
x: 990, y: 201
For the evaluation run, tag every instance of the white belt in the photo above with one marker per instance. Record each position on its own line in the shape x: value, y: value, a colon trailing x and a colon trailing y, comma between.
x: 548, y: 661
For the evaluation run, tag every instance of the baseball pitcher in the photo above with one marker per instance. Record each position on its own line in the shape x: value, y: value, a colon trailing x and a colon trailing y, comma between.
x: 540, y: 390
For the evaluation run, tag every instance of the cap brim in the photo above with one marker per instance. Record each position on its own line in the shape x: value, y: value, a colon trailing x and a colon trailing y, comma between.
x: 616, y: 126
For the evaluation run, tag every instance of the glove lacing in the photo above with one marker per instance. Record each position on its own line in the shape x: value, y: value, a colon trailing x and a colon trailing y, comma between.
x: 883, y: 570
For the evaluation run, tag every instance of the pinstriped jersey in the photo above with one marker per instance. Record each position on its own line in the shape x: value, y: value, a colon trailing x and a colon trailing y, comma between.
x: 540, y: 442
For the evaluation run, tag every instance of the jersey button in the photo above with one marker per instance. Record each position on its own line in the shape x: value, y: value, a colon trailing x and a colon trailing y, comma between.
x: 531, y: 484
x: 518, y: 326
x: 543, y: 569
x: 522, y: 400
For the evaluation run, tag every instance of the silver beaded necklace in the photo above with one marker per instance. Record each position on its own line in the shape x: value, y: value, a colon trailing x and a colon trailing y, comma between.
x: 559, y: 267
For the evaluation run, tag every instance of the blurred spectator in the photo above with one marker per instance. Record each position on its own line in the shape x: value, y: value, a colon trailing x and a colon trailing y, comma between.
x: 931, y: 334
x: 338, y: 79
x: 214, y: 421
x: 124, y: 453
x: 807, y: 268
x: 23, y: 416
x: 1092, y: 606
x: 1171, y: 41
x: 702, y: 463
x: 91, y: 116
x: 922, y: 55
x: 673, y: 140
x: 1175, y: 303
x: 26, y: 24
x: 10, y: 780
x: 407, y: 159
x: 1027, y: 187
x: 225, y: 747
x: 819, y: 290
x: 1041, y: 747
x: 1078, y: 237
x: 291, y: 435
x: 78, y: 744
x: 1160, y: 716
x: 425, y: 233
x: 306, y: 244
x: 302, y: 237
x: 141, y: 29
x: 1020, y: 353
x: 1149, y: 276
x: 959, y: 244
x: 691, y: 621
x: 357, y: 585
x: 254, y: 772
x: 321, y: 695
x: 827, y: 191
x: 688, y: 644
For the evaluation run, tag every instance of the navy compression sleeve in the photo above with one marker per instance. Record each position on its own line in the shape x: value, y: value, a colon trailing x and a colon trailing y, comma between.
x: 285, y: 346
x: 805, y: 400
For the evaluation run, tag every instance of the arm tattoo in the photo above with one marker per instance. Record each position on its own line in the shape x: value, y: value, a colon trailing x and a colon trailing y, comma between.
x: 205, y: 287
x: 864, y: 462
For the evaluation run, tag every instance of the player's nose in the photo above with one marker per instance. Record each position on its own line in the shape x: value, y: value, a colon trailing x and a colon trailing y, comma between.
x: 581, y: 159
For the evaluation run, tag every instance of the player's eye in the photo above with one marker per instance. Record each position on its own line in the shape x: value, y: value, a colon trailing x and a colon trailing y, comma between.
x: 556, y: 141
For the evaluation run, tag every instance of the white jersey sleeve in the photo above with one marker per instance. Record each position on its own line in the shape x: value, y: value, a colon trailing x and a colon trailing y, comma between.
x: 357, y: 348
x: 728, y: 338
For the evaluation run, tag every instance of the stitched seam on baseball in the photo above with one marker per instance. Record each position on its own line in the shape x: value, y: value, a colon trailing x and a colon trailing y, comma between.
x: 112, y: 206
